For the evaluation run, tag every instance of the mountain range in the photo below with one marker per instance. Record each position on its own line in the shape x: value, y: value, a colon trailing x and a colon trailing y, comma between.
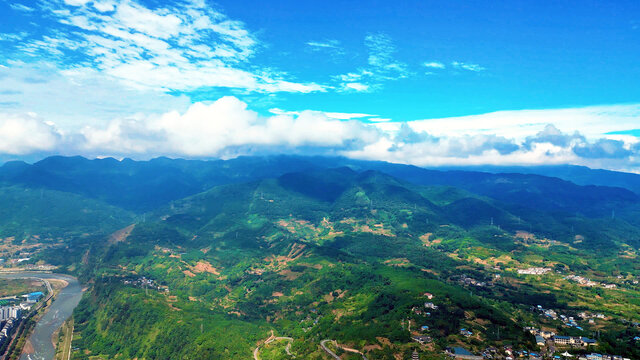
x: 314, y: 248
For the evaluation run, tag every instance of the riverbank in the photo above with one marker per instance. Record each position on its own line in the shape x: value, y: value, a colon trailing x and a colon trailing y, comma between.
x: 68, y: 293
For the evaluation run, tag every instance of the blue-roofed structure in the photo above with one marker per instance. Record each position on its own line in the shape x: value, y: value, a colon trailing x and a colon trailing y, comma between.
x: 34, y: 296
x: 462, y: 353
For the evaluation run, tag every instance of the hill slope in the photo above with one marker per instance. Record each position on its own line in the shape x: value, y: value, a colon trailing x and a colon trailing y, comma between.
x: 344, y: 255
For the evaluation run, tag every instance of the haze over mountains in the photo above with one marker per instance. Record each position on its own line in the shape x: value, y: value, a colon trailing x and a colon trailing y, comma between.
x: 141, y: 185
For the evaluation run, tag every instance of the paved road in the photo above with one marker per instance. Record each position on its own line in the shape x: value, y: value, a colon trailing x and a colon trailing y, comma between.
x: 271, y: 339
x: 66, y: 343
x: 323, y: 345
x: 326, y: 349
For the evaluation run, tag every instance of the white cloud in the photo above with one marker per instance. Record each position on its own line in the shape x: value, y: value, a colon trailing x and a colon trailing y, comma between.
x: 21, y: 7
x: 181, y: 48
x: 76, y: 2
x: 467, y: 66
x: 434, y: 65
x: 379, y: 119
x: 76, y: 99
x: 224, y: 128
x: 475, y: 150
x: 227, y: 128
x: 356, y: 86
x: 591, y: 121
x: 381, y: 55
x: 331, y: 44
x: 332, y: 115
x: 523, y: 137
x: 381, y: 66
x: 333, y: 48
x: 24, y: 134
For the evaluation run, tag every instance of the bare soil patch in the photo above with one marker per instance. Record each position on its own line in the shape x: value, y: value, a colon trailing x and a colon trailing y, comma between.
x: 121, y: 235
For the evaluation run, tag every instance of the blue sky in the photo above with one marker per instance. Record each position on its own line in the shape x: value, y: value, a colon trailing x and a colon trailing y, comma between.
x: 421, y: 82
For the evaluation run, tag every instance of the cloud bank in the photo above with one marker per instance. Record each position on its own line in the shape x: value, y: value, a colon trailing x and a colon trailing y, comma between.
x: 228, y: 128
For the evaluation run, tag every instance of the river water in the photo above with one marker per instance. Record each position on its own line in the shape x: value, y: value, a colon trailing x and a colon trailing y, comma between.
x: 59, y: 311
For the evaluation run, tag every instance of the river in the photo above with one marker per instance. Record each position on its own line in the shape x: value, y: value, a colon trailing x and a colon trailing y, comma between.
x: 59, y: 311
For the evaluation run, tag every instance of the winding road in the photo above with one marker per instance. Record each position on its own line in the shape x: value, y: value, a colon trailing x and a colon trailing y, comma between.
x: 323, y: 345
x: 271, y: 339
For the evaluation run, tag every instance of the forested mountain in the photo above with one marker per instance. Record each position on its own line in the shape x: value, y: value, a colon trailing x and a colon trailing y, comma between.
x: 580, y: 175
x: 212, y: 258
x: 143, y: 185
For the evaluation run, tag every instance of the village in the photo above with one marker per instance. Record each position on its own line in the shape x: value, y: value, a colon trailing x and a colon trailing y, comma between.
x: 550, y: 345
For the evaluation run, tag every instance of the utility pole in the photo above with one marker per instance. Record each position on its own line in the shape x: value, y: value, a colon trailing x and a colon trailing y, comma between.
x: 492, y: 221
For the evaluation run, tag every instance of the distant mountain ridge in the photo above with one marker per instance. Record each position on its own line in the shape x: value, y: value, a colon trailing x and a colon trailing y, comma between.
x: 580, y: 175
x: 144, y: 185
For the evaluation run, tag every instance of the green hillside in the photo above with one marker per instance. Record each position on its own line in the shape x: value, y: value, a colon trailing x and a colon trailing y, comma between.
x: 49, y: 214
x: 348, y: 256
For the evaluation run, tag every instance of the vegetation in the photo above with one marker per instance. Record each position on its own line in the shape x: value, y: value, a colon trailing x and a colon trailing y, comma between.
x: 350, y: 256
x: 17, y: 287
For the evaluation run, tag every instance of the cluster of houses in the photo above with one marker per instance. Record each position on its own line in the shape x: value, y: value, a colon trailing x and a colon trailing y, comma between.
x: 574, y: 341
x: 591, y: 317
x: 569, y: 321
x: 594, y: 356
x: 430, y: 305
x: 581, y: 280
x: 489, y: 353
x: 588, y: 282
x: 427, y: 305
x: 462, y: 353
x: 466, y: 333
x: 534, y: 271
x: 424, y: 339
x: 542, y: 336
x: 465, y: 280
x: 511, y: 354
x: 145, y: 283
